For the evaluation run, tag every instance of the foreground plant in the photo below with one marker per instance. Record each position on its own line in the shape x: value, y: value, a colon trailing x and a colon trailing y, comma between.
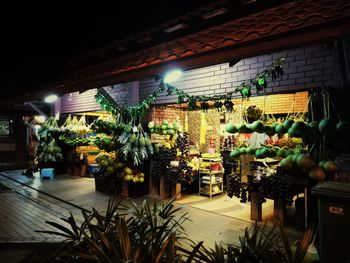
x: 126, y: 233
x: 154, y: 233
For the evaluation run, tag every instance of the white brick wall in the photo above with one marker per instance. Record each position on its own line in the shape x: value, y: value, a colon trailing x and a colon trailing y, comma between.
x: 305, y: 67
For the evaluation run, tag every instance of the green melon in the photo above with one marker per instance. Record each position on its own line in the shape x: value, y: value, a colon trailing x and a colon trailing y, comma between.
x: 250, y: 150
x: 317, y: 174
x: 280, y: 129
x: 242, y: 150
x: 289, y: 152
x: 288, y: 123
x: 321, y: 163
x: 343, y: 127
x: 327, y: 126
x: 249, y: 130
x: 265, y: 152
x: 234, y: 153
x: 305, y: 161
x: 312, y: 128
x: 273, y: 125
x: 258, y: 153
x: 258, y: 126
x: 242, y: 128
x: 281, y: 153
x: 286, y: 164
x: 231, y: 128
x: 269, y: 130
x: 295, y: 157
x: 330, y: 167
x: 272, y: 153
x: 300, y: 128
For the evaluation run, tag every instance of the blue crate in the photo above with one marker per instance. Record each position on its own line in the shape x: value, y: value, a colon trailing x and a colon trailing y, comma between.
x: 47, y: 172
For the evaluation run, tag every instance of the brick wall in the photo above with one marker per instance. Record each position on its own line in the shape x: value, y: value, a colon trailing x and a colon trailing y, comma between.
x: 170, y: 113
x: 75, y: 102
x: 305, y: 67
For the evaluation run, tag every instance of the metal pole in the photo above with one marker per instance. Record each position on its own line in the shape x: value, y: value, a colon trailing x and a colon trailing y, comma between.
x: 306, y: 206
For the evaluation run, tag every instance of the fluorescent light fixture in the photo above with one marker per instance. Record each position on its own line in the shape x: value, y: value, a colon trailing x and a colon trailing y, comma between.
x: 40, y: 118
x: 51, y: 98
x: 172, y: 76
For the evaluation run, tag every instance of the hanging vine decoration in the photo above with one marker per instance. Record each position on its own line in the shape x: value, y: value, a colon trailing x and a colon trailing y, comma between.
x: 259, y: 81
x: 137, y: 111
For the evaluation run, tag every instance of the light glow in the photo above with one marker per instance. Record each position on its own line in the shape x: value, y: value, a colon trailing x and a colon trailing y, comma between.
x: 40, y: 119
x: 51, y: 98
x: 172, y: 76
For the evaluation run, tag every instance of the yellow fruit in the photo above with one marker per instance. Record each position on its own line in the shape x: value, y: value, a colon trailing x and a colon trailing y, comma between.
x: 135, y: 179
x: 142, y: 175
x: 127, y: 178
x: 127, y: 170
x: 141, y: 180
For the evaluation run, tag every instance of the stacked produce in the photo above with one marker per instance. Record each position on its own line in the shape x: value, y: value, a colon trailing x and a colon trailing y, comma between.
x: 109, y: 164
x: 182, y: 173
x: 135, y: 144
x: 109, y: 125
x: 48, y: 152
x: 164, y: 128
x: 294, y: 128
x: 105, y: 143
x: 273, y: 186
x: 162, y: 161
x: 317, y: 171
x: 133, y: 175
x: 265, y: 151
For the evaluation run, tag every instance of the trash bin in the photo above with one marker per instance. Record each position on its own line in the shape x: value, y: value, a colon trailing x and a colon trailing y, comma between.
x: 334, y: 220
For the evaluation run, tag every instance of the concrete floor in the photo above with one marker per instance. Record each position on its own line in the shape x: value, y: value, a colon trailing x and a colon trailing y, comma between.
x: 32, y: 201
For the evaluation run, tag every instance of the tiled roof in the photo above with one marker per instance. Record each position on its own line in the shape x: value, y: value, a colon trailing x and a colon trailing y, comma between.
x: 273, y: 22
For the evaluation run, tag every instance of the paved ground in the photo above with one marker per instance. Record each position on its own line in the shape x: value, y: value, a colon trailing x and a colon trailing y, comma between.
x: 32, y: 201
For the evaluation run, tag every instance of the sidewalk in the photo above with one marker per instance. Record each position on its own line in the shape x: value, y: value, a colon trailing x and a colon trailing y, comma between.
x: 32, y: 201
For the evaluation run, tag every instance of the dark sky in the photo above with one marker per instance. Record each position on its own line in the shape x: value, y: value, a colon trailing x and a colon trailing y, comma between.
x: 38, y: 37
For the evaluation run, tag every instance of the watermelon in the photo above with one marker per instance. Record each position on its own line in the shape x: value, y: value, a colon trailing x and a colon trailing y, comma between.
x: 242, y: 128
x: 305, y: 161
x: 300, y: 128
x: 269, y: 130
x: 330, y: 167
x: 234, y: 153
x: 231, y: 128
x: 273, y: 125
x: 286, y: 164
x: 271, y: 153
x: 288, y: 123
x: 289, y: 152
x: 249, y: 130
x: 242, y: 150
x: 281, y: 153
x: 258, y: 126
x: 258, y: 153
x: 327, y: 126
x: 250, y: 150
x: 312, y: 128
x: 280, y: 129
x: 295, y: 157
x: 265, y: 152
x: 317, y: 174
x: 343, y: 127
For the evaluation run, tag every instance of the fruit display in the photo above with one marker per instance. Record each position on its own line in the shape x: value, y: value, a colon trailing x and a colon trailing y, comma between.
x: 164, y: 128
x: 48, y: 151
x: 136, y: 146
x: 110, y: 125
x: 109, y: 164
x: 272, y: 186
x: 105, y: 143
x: 162, y: 161
x: 72, y: 139
x: 181, y: 173
x: 133, y: 175
x: 75, y: 125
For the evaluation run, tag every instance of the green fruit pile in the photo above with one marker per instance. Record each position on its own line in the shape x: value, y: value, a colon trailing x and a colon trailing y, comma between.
x: 130, y: 175
x: 164, y: 128
x: 105, y: 143
x: 109, y: 164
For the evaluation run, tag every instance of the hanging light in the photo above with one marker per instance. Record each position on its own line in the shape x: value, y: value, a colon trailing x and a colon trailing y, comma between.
x: 172, y: 76
x: 51, y: 98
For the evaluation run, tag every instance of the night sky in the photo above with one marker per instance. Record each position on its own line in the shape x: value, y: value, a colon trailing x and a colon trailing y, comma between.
x: 38, y: 38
